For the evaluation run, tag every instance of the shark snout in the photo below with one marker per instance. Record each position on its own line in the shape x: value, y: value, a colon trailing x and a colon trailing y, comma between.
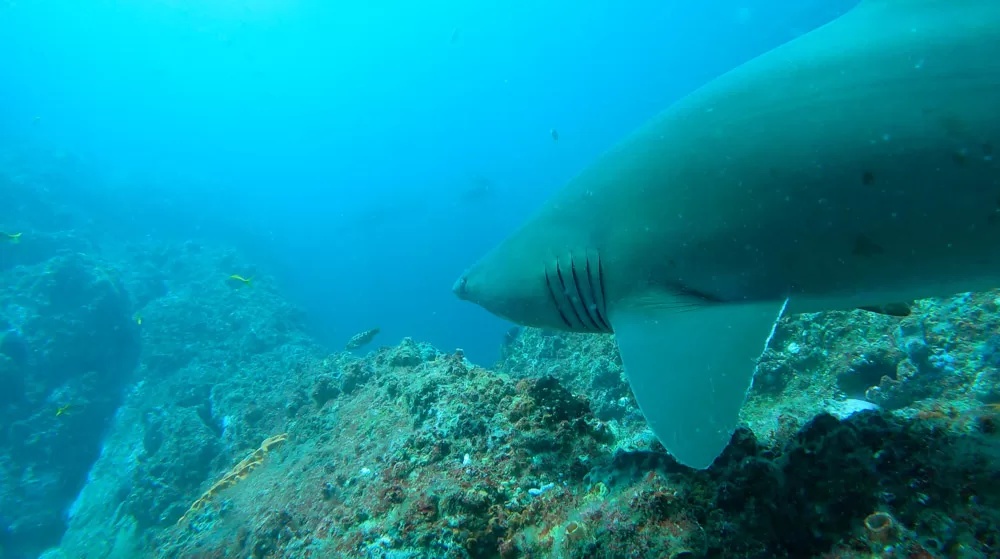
x: 460, y: 288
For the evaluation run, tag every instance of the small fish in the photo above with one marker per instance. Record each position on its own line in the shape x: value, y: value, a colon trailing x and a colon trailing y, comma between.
x: 138, y: 319
x: 511, y: 335
x: 14, y: 238
x: 555, y: 134
x: 508, y: 340
x: 481, y: 188
x: 63, y: 410
x: 454, y: 35
x: 38, y: 119
x: 361, y: 339
x: 242, y: 279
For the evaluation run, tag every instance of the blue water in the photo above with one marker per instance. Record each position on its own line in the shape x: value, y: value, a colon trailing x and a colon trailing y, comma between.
x: 361, y: 153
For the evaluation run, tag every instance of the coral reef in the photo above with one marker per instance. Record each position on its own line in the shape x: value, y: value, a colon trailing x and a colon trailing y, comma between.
x: 138, y: 381
x: 439, y: 458
x: 234, y: 476
x: 68, y: 348
x: 411, y: 452
x: 415, y: 453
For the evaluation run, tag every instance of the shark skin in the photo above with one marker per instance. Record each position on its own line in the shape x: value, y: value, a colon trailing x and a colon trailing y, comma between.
x: 855, y: 166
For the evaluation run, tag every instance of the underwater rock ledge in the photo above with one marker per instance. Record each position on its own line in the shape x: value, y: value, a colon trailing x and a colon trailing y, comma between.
x: 427, y: 455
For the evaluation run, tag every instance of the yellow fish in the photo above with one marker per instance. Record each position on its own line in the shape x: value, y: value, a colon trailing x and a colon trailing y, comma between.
x: 63, y: 410
x: 138, y: 319
x: 242, y: 279
x: 12, y: 237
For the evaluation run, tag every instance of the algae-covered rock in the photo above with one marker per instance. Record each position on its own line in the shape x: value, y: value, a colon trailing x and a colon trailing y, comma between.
x: 66, y: 356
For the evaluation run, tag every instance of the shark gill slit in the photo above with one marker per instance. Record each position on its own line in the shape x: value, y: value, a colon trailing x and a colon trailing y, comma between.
x: 604, y: 296
x: 568, y: 297
x: 692, y: 298
x: 599, y: 309
x: 585, y: 299
x: 555, y: 303
x: 699, y: 294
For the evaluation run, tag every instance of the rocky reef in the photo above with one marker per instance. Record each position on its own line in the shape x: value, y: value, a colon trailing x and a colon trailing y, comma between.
x: 68, y: 348
x: 431, y: 456
x: 411, y: 452
x: 156, y: 407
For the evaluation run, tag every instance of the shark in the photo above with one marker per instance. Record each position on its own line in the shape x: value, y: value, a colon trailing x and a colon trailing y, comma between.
x: 855, y: 166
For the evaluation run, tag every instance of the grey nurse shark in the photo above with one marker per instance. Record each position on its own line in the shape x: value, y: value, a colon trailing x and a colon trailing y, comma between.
x: 852, y: 167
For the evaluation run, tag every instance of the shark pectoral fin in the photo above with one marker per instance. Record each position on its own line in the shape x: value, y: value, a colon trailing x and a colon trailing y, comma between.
x: 691, y: 366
